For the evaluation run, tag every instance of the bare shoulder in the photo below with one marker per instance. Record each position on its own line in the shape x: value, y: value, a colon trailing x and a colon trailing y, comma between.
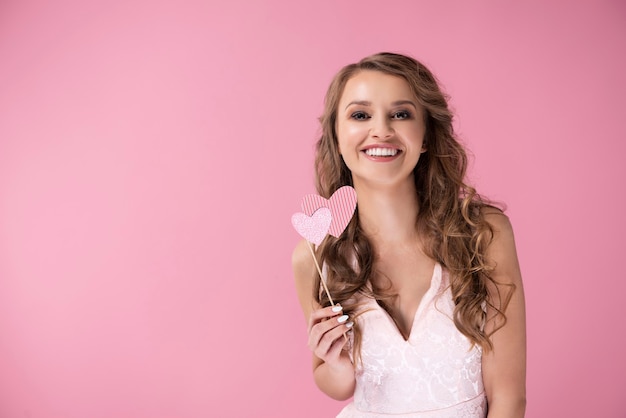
x: 502, y: 252
x: 301, y: 256
x: 498, y: 220
x: 304, y: 272
x: 303, y: 264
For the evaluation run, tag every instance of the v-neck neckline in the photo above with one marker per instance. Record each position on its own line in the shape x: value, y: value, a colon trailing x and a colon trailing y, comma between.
x: 437, y: 271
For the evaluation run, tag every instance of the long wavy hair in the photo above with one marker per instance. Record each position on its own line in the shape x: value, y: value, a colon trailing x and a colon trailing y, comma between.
x: 451, y: 219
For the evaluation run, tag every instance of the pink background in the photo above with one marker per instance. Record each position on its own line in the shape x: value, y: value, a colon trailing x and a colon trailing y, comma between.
x: 152, y: 153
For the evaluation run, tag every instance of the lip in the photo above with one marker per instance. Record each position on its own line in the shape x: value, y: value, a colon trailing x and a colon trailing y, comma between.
x: 387, y: 146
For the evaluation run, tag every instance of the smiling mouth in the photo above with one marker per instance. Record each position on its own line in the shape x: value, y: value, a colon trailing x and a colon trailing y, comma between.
x: 382, y: 152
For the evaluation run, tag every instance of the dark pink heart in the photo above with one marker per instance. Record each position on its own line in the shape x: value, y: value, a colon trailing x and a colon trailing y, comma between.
x: 341, y: 204
x: 312, y: 228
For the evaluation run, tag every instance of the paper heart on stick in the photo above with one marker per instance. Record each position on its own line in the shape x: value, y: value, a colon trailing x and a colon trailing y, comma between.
x: 324, y: 216
x: 312, y: 228
x: 341, y: 204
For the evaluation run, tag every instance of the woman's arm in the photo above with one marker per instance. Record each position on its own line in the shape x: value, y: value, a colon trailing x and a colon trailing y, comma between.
x: 332, y: 368
x: 504, y: 367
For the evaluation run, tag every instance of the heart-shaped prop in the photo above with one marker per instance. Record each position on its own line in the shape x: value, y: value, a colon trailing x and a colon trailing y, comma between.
x: 312, y: 228
x: 341, y: 204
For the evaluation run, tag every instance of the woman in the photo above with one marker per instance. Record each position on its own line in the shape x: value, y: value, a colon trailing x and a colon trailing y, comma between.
x: 429, y: 318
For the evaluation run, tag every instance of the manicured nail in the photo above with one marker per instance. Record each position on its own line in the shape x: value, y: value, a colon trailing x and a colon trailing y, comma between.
x: 342, y: 319
x: 337, y: 308
x: 349, y: 324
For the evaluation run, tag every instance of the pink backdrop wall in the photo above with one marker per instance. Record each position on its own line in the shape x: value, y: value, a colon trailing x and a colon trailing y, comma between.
x: 151, y: 154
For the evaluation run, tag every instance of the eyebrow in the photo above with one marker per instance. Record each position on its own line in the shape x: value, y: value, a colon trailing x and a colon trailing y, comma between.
x: 367, y: 103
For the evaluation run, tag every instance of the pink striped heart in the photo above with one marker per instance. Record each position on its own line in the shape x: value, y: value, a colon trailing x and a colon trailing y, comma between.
x: 341, y: 204
x: 312, y: 228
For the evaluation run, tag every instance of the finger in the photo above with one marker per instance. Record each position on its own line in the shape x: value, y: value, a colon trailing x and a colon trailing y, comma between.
x: 326, y: 332
x: 319, y: 314
x: 333, y: 342
x: 323, y: 327
x: 336, y: 347
x: 319, y: 330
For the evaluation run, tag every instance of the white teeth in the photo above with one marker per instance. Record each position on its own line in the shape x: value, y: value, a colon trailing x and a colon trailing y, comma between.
x: 381, y: 152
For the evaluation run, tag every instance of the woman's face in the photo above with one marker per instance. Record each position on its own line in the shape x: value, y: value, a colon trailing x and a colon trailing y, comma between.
x: 380, y: 128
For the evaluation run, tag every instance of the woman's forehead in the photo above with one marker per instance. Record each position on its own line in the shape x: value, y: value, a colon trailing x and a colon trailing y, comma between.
x: 368, y: 88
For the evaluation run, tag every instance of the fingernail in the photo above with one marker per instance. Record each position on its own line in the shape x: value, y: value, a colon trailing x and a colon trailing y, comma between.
x: 349, y: 324
x: 342, y: 319
x: 337, y: 308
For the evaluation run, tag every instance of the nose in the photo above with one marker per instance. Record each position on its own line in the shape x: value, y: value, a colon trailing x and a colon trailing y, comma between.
x: 381, y: 128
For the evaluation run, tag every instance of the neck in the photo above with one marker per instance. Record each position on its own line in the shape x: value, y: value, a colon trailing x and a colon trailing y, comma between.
x: 388, y: 214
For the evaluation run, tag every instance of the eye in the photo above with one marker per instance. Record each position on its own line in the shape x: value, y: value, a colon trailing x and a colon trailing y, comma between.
x: 401, y: 114
x: 359, y: 115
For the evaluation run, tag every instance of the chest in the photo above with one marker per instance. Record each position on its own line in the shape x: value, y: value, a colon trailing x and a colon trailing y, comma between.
x: 407, y: 279
x: 436, y: 368
x: 435, y: 349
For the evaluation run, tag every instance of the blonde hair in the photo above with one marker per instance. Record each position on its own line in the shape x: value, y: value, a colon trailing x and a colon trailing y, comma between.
x: 451, y: 219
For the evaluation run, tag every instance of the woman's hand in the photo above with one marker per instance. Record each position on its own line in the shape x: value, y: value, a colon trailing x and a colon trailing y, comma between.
x: 327, y: 334
x: 333, y: 370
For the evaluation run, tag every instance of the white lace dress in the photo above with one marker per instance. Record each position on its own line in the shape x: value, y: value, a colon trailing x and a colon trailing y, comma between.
x: 436, y: 373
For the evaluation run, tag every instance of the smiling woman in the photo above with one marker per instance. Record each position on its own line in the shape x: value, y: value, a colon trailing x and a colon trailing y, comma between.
x: 426, y: 276
x: 379, y: 123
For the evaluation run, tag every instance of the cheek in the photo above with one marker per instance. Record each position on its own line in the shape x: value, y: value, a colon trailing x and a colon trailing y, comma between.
x: 341, y: 138
x: 415, y: 134
x: 350, y: 135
